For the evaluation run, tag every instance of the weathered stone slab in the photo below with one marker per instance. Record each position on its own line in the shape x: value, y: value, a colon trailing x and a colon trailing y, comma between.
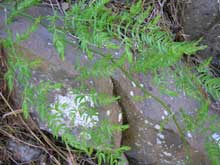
x: 39, y: 47
x: 149, y: 145
x: 22, y: 152
x: 201, y: 19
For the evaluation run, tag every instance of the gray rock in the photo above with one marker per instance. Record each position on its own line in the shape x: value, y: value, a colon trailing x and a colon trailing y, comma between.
x: 23, y: 152
x: 39, y: 47
x: 212, y: 40
x: 201, y: 19
x: 149, y: 145
x: 200, y: 16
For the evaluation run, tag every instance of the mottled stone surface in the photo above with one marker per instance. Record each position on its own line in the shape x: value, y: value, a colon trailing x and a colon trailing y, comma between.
x: 39, y: 46
x: 23, y: 152
x: 212, y: 40
x: 200, y: 16
x: 202, y: 19
x: 149, y: 145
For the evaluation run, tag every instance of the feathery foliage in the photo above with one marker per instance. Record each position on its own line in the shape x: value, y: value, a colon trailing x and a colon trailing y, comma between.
x: 147, y: 49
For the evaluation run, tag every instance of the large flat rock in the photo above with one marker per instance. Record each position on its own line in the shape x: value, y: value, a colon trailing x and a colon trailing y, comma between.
x: 39, y: 46
x: 149, y: 145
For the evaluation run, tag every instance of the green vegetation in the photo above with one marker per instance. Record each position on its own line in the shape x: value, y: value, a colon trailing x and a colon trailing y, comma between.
x: 149, y: 49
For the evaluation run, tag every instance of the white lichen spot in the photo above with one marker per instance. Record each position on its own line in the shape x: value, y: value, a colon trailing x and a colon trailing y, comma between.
x: 70, y: 109
x: 216, y: 136
x: 172, y: 145
x: 137, y: 144
x: 161, y: 155
x: 164, y: 161
x: 158, y: 141
x: 165, y: 113
x: 157, y: 127
x: 108, y: 112
x: 162, y: 117
x: 141, y: 85
x: 189, y: 135
x: 160, y: 135
x: 116, y: 53
x: 91, y: 82
x: 120, y: 117
x: 133, y: 84
x: 149, y: 143
x: 146, y: 121
x: 49, y: 44
x: 167, y: 154
x: 131, y: 93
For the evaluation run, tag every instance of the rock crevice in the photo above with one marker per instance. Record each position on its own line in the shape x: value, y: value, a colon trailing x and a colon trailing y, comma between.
x: 148, y: 144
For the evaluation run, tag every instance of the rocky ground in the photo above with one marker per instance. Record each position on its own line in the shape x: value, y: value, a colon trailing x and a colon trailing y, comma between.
x: 23, y: 141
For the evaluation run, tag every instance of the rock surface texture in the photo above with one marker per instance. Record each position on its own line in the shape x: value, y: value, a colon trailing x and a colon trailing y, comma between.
x: 149, y: 145
x: 39, y: 47
x: 23, y: 152
x: 202, y: 19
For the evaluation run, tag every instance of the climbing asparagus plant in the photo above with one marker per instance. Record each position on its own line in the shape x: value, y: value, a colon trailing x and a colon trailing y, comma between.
x: 148, y: 49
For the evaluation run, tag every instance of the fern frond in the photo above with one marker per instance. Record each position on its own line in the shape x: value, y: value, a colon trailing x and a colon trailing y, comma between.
x: 20, y: 7
x: 213, y: 150
x: 206, y: 78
